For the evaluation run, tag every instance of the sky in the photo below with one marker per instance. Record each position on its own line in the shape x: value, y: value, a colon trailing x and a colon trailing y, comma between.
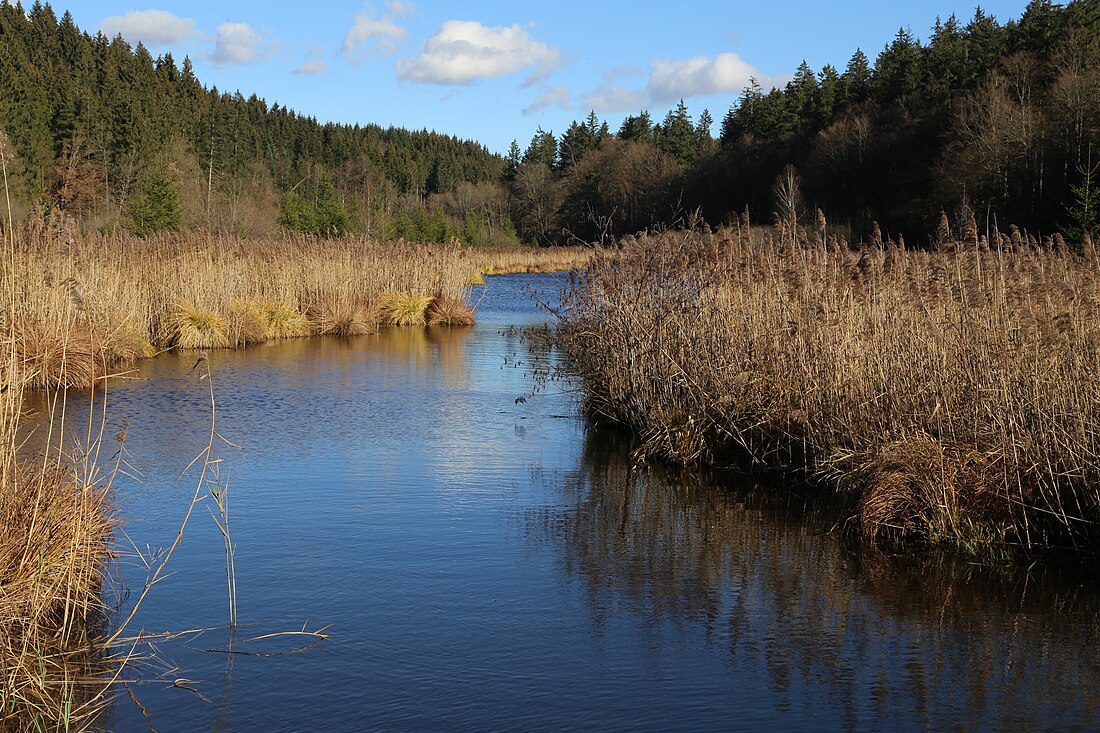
x: 494, y: 71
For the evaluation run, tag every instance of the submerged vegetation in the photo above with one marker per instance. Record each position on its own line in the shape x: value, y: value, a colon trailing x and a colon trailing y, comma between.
x: 947, y: 395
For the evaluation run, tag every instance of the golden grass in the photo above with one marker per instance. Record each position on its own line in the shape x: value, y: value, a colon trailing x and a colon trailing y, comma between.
x: 189, y: 327
x: 447, y: 310
x: 246, y: 324
x: 284, y: 322
x: 344, y: 319
x: 403, y: 309
x: 949, y: 395
x: 529, y: 260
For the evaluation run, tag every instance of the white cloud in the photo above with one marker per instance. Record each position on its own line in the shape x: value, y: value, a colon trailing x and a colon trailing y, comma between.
x: 557, y: 96
x: 311, y: 67
x: 728, y: 72
x: 380, y: 34
x: 239, y: 43
x: 151, y: 27
x: 462, y: 51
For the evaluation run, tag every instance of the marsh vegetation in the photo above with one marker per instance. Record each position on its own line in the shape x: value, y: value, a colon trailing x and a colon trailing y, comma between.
x: 948, y: 395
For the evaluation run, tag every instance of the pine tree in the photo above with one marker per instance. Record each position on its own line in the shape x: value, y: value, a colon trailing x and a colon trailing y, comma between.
x: 156, y: 208
x: 676, y: 135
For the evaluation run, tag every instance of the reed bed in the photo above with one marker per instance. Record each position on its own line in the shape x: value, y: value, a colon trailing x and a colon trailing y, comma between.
x: 949, y: 396
x: 56, y: 520
x: 508, y: 261
x: 85, y: 305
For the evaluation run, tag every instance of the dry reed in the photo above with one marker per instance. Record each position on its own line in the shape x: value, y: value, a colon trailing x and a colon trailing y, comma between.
x: 949, y: 395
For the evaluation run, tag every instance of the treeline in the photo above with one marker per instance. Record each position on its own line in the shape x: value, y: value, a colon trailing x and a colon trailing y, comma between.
x: 107, y: 136
x: 1003, y: 117
x: 999, y: 118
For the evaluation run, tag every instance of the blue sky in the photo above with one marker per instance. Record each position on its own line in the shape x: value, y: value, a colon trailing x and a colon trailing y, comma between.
x: 492, y: 70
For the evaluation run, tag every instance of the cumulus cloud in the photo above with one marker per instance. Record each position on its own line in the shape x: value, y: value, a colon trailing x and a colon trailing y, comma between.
x: 670, y: 80
x: 151, y: 27
x: 369, y: 33
x: 462, y: 51
x: 239, y: 43
x: 558, y: 96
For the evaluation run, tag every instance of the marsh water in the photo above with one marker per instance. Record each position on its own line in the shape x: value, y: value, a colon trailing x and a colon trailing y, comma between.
x: 484, y: 560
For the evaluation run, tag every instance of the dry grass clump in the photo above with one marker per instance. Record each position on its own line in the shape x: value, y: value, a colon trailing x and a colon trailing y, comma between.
x: 447, y: 310
x: 284, y: 321
x: 188, y: 327
x: 402, y: 309
x: 52, y: 550
x: 344, y: 319
x: 951, y: 395
x: 58, y: 355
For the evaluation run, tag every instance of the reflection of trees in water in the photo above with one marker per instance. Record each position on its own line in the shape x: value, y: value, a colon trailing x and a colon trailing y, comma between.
x: 879, y: 640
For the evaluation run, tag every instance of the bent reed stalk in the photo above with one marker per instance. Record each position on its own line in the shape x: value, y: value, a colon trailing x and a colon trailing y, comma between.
x: 949, y: 395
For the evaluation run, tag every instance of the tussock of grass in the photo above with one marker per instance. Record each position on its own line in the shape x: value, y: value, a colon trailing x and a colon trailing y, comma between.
x: 58, y: 355
x: 949, y: 395
x: 189, y: 327
x: 399, y: 309
x: 284, y: 321
x: 445, y: 310
x: 344, y: 319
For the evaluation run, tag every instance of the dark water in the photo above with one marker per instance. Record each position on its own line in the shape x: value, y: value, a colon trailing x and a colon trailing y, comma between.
x: 487, y: 564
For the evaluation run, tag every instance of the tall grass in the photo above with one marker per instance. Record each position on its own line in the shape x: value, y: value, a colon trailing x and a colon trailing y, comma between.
x: 949, y: 395
x: 84, y: 305
x: 55, y: 518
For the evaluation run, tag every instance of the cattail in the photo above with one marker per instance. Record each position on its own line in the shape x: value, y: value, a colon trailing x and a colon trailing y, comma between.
x: 943, y: 230
x: 968, y: 225
x: 1060, y: 245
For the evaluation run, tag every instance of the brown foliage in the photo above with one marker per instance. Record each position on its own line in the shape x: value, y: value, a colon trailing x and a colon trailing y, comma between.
x: 950, y: 394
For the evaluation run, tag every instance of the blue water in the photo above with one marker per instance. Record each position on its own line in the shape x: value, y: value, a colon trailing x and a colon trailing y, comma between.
x: 484, y: 561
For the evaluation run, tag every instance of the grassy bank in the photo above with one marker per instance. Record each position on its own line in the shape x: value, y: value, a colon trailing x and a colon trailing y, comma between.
x: 946, y: 395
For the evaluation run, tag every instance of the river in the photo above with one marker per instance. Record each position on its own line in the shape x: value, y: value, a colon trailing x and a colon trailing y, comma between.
x: 485, y: 561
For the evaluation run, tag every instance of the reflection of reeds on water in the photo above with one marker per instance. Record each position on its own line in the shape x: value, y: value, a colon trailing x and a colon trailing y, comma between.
x: 874, y: 638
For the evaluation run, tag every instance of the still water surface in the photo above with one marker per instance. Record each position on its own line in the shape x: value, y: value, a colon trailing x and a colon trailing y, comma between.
x: 487, y: 563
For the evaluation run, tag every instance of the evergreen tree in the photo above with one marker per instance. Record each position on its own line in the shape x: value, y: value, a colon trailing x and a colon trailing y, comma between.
x: 856, y: 79
x: 637, y: 127
x: 676, y: 135
x: 156, y: 208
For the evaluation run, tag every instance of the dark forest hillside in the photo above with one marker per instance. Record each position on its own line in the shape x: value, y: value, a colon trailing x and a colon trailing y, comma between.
x: 1002, y: 115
